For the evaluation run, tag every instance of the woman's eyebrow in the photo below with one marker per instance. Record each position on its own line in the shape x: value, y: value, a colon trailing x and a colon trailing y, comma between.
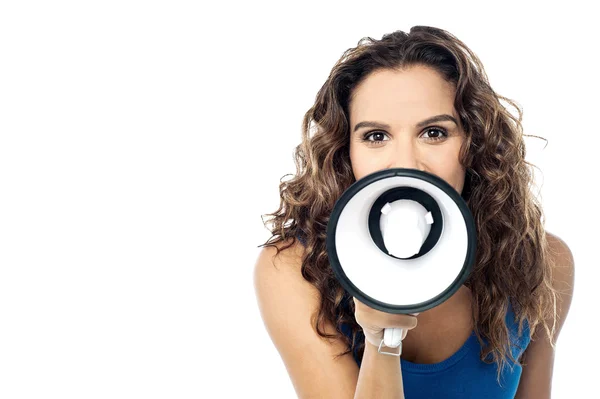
x: 433, y: 119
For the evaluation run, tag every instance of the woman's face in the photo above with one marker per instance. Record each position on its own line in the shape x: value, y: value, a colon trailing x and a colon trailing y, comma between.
x: 391, y: 125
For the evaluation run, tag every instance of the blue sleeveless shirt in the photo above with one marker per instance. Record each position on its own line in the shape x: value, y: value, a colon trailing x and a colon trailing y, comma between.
x: 462, y: 375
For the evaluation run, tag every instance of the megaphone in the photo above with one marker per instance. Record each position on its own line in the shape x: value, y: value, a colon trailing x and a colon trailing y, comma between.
x: 401, y: 241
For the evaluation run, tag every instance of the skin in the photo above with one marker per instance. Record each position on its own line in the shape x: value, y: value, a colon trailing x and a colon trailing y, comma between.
x: 402, y: 100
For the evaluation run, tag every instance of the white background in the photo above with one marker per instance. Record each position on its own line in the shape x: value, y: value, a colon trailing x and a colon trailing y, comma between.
x: 141, y: 141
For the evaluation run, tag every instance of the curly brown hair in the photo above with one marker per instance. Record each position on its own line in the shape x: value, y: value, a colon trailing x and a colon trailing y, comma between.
x: 513, y: 261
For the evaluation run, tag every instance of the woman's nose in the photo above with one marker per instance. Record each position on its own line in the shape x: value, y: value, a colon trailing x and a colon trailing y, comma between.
x: 404, y: 158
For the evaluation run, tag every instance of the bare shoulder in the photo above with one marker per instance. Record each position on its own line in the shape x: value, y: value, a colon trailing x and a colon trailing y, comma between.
x: 536, y: 377
x: 563, y: 279
x: 287, y: 303
x: 290, y: 258
x: 560, y: 250
x: 563, y: 275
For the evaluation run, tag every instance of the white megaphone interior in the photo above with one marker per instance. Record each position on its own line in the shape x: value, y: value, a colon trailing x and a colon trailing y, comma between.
x: 394, y: 281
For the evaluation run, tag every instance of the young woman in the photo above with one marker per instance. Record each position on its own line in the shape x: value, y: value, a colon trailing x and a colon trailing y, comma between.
x: 419, y: 100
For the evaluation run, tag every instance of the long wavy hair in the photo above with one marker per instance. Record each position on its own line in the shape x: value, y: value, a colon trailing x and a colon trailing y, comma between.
x: 512, y: 261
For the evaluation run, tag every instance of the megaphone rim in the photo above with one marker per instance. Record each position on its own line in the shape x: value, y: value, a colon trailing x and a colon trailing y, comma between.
x: 358, y: 185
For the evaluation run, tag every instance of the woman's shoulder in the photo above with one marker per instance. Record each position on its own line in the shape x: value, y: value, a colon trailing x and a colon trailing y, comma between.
x: 280, y: 263
x: 277, y: 273
x: 287, y: 250
x: 288, y: 304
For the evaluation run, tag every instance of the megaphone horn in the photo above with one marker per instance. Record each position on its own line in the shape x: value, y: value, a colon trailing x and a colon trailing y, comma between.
x: 401, y: 241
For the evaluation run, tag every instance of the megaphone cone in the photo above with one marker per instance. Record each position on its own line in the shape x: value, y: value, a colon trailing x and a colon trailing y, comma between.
x: 401, y: 241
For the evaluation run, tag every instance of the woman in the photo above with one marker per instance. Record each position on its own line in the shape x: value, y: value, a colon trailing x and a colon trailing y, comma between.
x: 419, y: 100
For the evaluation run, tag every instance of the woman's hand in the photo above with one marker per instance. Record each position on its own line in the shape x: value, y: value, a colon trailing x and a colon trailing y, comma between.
x: 374, y: 322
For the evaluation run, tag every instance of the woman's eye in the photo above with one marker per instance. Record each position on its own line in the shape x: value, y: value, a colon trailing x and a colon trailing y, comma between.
x: 377, y: 136
x: 438, y: 133
x: 430, y: 134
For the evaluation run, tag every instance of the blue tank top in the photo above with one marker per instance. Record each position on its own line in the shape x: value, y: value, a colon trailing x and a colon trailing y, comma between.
x: 462, y: 375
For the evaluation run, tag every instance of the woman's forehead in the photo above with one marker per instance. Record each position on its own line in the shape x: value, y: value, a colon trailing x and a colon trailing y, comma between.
x: 418, y: 91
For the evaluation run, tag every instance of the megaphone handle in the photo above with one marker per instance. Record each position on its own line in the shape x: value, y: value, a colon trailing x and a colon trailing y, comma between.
x: 392, y: 338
